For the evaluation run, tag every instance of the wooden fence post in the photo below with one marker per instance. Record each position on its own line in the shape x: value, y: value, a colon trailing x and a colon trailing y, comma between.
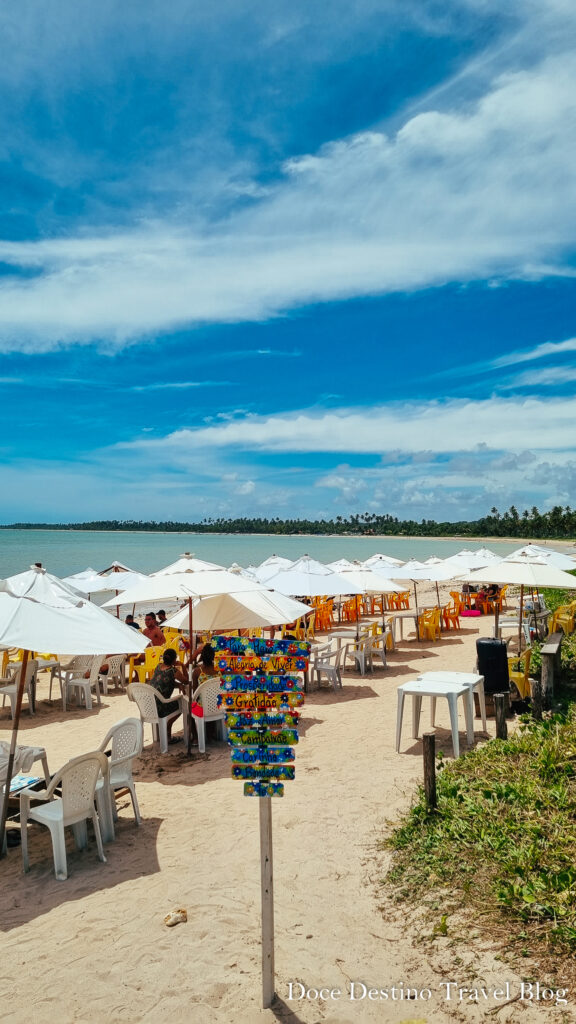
x: 429, y: 750
x: 500, y: 709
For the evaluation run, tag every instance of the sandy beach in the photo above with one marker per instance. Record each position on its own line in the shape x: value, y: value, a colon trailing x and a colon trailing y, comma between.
x: 95, y: 948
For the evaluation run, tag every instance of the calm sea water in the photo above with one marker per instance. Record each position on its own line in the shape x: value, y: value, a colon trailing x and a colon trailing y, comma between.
x: 66, y: 552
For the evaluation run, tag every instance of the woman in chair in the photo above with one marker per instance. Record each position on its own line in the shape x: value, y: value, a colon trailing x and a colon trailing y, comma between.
x: 205, y: 670
x: 168, y: 674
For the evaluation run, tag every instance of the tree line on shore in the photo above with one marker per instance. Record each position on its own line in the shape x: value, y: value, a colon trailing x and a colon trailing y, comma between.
x: 559, y: 523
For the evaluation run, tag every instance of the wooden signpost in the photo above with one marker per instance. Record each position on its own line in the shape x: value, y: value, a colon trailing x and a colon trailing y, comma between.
x: 260, y: 693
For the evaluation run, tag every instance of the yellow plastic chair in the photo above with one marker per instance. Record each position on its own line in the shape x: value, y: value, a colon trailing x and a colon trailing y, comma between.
x: 152, y: 657
x: 429, y: 624
x: 564, y: 620
x: 518, y: 670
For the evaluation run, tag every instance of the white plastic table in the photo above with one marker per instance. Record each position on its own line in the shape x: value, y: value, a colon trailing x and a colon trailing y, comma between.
x: 471, y: 679
x: 451, y: 691
x: 395, y: 617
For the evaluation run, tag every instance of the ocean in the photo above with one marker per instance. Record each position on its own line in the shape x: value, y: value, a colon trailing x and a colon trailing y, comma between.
x: 64, y: 552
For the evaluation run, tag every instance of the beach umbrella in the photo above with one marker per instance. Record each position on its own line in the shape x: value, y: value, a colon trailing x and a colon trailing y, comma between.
x: 466, y: 560
x: 367, y: 581
x: 42, y: 585
x: 433, y: 560
x: 417, y: 572
x: 378, y: 560
x: 309, y: 578
x: 82, y: 575
x: 247, y: 572
x: 97, y: 584
x: 187, y: 563
x: 524, y: 571
x: 116, y: 567
x: 342, y: 563
x: 556, y: 558
x: 51, y: 621
x: 270, y: 566
x: 114, y: 583
x: 245, y: 610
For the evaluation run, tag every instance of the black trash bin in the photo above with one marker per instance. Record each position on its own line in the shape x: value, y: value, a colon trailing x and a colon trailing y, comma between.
x: 493, y: 665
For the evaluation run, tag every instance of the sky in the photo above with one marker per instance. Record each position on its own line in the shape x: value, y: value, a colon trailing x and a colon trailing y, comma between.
x: 287, y: 259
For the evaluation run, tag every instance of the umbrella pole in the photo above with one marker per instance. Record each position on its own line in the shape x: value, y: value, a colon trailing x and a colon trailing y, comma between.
x: 417, y: 612
x: 520, y: 619
x: 12, y: 753
x: 357, y: 619
x: 190, y: 671
x: 534, y: 614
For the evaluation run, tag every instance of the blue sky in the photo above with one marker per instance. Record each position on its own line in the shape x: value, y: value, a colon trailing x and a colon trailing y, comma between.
x: 287, y: 259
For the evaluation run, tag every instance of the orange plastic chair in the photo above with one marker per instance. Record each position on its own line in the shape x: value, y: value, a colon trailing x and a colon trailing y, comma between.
x: 451, y: 616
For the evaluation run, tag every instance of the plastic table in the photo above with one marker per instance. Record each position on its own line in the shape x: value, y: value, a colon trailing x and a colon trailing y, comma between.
x: 451, y: 691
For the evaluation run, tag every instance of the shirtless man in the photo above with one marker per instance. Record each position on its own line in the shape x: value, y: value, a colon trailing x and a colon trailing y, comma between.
x: 152, y: 631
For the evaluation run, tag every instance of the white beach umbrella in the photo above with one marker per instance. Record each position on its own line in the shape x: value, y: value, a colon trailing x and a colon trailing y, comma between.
x: 245, y: 610
x: 56, y: 624
x: 270, y: 566
x: 524, y: 571
x: 247, y: 572
x: 116, y: 567
x: 375, y: 561
x: 82, y: 575
x: 367, y: 581
x: 343, y: 563
x: 556, y: 558
x: 417, y: 572
x: 466, y: 560
x: 184, y: 586
x: 187, y: 563
x: 309, y: 578
x: 112, y: 584
x: 433, y: 560
x: 42, y: 585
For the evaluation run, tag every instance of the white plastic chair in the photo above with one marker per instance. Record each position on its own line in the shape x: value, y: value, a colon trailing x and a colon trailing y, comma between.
x: 76, y: 685
x: 361, y: 652
x: 125, y: 739
x: 10, y: 686
x: 207, y: 696
x: 145, y: 696
x: 77, y: 666
x: 327, y: 663
x: 77, y: 780
x: 377, y: 647
x: 116, y: 673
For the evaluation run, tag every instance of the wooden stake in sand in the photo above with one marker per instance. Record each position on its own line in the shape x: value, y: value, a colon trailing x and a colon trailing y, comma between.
x: 267, y: 891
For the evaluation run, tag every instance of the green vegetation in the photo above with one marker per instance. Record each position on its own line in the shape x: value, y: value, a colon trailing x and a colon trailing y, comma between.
x: 502, y: 842
x: 559, y: 523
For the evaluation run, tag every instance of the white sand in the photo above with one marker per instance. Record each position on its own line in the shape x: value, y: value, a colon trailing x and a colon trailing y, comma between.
x: 95, y: 948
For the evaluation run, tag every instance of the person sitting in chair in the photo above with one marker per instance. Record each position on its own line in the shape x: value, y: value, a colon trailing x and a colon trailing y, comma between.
x: 168, y: 674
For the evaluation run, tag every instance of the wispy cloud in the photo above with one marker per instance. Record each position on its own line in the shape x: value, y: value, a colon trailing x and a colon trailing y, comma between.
x: 455, y: 195
x: 178, y: 384
x: 448, y: 426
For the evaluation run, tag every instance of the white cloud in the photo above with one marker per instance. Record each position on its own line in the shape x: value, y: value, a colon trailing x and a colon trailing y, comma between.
x: 456, y: 195
x: 449, y: 426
